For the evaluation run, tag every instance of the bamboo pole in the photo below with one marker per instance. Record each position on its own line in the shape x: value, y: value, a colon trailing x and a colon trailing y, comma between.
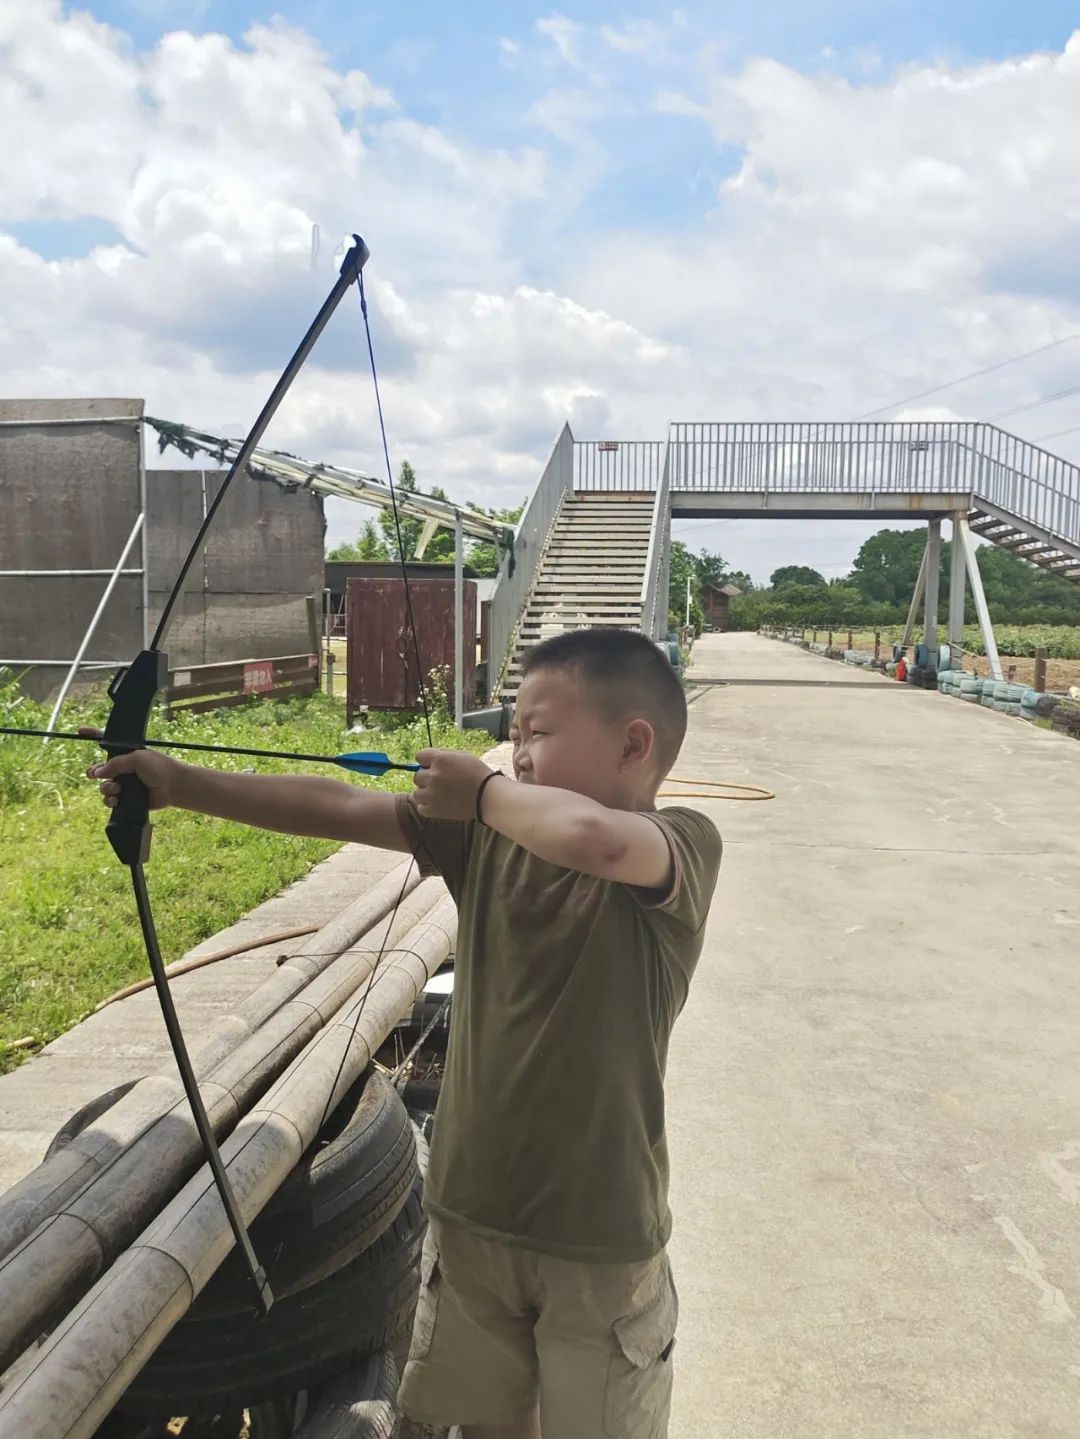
x: 58, y: 1262
x: 46, y: 1189
x: 85, y: 1365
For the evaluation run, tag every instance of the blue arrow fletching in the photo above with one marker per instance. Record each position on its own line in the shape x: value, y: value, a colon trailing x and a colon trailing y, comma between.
x: 371, y: 762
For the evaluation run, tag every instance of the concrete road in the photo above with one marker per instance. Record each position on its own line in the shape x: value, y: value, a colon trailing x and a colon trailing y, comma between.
x: 874, y: 1090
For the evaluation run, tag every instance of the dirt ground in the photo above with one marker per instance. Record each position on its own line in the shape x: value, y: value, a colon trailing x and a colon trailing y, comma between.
x: 1060, y: 674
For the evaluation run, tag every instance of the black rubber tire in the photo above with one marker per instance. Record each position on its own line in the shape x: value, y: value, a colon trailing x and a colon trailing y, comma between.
x: 84, y: 1117
x: 359, y: 1404
x: 206, y: 1366
x: 336, y: 1202
x: 421, y: 1096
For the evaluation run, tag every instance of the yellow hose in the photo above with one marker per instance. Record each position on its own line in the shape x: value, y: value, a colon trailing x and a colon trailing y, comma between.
x: 751, y: 791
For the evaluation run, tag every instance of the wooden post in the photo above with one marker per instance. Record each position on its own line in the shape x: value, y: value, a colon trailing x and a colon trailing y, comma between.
x: 1040, y: 670
x: 815, y: 636
x: 829, y: 644
x: 850, y: 640
x: 1011, y: 675
x: 877, y: 644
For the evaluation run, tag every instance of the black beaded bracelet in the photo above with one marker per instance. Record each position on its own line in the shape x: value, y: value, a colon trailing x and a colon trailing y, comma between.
x: 495, y: 774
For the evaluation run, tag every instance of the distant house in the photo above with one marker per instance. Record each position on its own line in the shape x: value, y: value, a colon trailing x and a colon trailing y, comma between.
x: 715, y: 601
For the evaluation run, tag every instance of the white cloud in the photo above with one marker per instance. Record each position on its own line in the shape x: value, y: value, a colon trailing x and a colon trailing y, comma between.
x: 565, y: 35
x: 635, y: 37
x: 865, y: 242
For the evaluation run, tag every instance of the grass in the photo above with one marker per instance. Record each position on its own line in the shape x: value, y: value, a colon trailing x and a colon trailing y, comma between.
x: 68, y: 932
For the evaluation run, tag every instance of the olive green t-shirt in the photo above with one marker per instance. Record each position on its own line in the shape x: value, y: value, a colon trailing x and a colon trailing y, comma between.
x: 549, y: 1132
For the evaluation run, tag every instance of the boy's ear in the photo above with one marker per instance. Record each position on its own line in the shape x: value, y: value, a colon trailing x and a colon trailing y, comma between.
x: 639, y: 743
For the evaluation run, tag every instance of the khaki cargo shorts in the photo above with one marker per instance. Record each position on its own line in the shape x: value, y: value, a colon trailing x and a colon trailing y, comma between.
x: 500, y: 1330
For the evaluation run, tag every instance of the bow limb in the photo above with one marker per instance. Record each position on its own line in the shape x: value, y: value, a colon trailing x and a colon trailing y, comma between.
x: 132, y: 692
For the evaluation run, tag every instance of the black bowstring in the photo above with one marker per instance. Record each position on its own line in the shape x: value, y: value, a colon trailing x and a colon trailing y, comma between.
x: 419, y: 844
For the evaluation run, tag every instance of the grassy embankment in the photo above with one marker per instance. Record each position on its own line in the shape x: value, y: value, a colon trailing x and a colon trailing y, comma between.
x: 68, y: 931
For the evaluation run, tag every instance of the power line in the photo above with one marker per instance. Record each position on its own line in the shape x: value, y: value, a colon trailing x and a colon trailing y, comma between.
x: 963, y: 379
x: 1056, y: 435
x: 1034, y: 404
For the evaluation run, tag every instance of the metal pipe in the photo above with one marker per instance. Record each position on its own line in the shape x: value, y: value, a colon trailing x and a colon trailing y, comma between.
x: 459, y: 622
x: 957, y: 585
x: 981, y: 608
x: 920, y: 585
x: 933, y: 585
x: 89, y: 635
x: 144, y: 541
x: 63, y: 664
x: 74, y: 420
x: 67, y: 574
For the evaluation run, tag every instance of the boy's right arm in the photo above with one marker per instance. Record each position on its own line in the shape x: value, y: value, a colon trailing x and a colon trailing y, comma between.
x: 291, y: 803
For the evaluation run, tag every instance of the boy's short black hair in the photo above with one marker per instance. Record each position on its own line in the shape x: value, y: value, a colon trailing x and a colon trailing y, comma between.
x: 627, y: 674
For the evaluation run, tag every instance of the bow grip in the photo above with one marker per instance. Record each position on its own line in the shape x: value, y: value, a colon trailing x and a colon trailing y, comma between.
x: 132, y: 692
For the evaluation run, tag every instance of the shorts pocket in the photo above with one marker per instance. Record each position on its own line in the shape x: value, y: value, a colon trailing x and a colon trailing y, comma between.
x: 427, y: 1305
x: 638, y: 1394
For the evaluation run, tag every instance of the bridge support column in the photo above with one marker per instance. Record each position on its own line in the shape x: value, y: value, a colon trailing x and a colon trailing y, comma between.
x: 933, y: 588
x: 957, y: 585
x: 916, y: 599
x: 963, y: 534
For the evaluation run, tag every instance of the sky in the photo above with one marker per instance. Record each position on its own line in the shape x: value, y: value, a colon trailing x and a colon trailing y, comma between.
x: 616, y: 216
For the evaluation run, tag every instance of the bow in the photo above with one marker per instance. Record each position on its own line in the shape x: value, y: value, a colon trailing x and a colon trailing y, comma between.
x: 132, y: 692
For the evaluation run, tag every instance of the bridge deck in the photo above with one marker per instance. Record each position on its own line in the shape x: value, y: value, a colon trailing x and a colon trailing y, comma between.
x: 873, y: 1091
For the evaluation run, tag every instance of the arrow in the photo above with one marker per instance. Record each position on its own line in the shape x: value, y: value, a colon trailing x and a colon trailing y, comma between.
x: 370, y: 762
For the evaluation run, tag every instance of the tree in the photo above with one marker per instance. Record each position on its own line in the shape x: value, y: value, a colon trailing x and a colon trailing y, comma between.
x: 368, y: 546
x: 410, y: 528
x: 887, y: 566
x: 484, y: 557
x: 714, y: 570
x: 683, y: 568
x: 795, y: 575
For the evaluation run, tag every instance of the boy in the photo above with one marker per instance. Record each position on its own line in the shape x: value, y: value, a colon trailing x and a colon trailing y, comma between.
x: 547, y: 1303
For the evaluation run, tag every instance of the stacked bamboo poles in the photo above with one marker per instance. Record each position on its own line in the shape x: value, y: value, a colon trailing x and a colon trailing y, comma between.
x: 44, y: 1191
x: 136, y: 1156
x: 71, y: 1383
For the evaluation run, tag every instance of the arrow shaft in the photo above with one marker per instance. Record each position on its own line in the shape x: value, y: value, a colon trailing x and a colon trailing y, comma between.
x: 204, y: 748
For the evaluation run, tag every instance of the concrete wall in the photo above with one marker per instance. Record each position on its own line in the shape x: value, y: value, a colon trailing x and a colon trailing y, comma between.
x: 246, y: 594
x: 69, y: 495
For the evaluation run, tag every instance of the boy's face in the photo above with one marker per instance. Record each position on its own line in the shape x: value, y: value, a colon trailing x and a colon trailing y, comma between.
x: 561, y: 740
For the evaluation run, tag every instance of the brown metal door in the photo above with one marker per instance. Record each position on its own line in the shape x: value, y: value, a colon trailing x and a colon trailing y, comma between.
x: 381, y: 656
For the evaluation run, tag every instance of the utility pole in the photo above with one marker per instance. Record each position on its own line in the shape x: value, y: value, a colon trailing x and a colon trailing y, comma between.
x: 688, y: 601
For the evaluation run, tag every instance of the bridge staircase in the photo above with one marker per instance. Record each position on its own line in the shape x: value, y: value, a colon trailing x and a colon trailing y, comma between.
x: 591, y: 572
x: 594, y: 544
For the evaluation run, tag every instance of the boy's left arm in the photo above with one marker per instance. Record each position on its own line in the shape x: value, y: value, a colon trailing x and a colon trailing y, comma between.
x: 558, y: 825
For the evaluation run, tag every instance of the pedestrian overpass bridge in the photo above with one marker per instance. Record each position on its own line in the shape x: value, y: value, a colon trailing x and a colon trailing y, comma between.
x: 593, y: 546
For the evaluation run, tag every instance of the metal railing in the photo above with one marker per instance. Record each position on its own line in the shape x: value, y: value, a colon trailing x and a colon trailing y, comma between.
x: 654, y: 588
x: 512, y: 590
x: 972, y: 459
x: 618, y: 464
